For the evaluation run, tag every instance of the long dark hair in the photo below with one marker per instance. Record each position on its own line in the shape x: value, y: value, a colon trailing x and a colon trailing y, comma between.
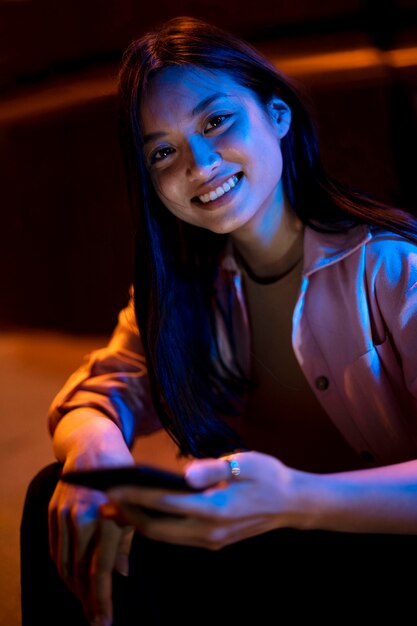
x: 176, y: 264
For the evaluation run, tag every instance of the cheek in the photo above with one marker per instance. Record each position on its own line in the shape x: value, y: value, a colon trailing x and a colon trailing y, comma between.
x: 237, y: 143
x: 165, y: 185
x: 167, y: 188
x: 252, y: 144
x: 268, y: 156
x: 276, y: 162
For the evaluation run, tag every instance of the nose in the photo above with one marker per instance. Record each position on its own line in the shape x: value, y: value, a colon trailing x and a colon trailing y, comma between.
x: 203, y: 159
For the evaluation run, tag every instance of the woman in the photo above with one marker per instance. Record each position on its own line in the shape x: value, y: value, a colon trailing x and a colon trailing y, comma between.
x: 276, y: 316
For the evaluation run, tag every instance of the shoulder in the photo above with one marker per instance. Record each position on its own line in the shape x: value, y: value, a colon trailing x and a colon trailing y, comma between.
x: 385, y: 242
x: 391, y: 259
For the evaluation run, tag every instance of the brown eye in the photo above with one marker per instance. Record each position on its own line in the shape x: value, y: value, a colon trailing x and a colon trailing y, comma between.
x: 161, y: 154
x: 215, y: 122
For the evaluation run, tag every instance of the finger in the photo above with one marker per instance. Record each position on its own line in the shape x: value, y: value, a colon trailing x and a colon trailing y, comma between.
x: 60, y: 532
x: 134, y: 497
x: 205, y: 473
x: 102, y: 565
x: 164, y: 527
x: 83, y: 546
x: 59, y: 541
x: 62, y: 544
x: 85, y: 518
x: 52, y: 531
x: 129, y: 501
x: 55, y: 513
x: 213, y: 503
x: 111, y: 512
x: 122, y: 559
x: 199, y: 533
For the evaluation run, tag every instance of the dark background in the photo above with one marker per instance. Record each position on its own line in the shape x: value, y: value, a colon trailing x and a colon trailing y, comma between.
x: 65, y: 242
x: 65, y: 236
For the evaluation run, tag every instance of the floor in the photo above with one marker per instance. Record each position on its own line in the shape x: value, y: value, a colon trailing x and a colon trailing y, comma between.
x: 33, y: 366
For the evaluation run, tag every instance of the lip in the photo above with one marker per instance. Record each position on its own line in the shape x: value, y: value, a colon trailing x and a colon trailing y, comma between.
x: 212, y: 186
x: 221, y: 199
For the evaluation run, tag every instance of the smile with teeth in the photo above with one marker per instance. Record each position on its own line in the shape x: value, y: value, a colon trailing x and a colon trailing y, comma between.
x: 220, y: 191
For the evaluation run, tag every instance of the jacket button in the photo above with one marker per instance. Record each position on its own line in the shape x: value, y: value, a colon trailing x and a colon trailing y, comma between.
x: 367, y: 456
x: 322, y: 383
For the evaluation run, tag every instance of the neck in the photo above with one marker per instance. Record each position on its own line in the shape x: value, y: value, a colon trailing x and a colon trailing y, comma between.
x: 273, y: 245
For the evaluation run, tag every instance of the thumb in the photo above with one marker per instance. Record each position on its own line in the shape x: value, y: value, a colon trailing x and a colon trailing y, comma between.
x: 207, y: 472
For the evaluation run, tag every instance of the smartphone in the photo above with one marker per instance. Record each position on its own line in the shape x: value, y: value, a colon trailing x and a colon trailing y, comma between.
x: 143, y: 475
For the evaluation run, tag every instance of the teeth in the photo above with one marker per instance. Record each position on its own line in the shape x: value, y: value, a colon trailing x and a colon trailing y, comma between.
x: 220, y: 191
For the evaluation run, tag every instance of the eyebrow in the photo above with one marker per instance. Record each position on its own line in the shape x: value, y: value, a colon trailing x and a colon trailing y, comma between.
x: 195, y: 111
x: 205, y: 103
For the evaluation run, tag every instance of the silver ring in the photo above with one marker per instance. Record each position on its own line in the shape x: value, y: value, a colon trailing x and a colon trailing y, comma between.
x: 233, y: 465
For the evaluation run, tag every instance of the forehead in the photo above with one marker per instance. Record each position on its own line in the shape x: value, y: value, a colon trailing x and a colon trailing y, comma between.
x: 175, y: 91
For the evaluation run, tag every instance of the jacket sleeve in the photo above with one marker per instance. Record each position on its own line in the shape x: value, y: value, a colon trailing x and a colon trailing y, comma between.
x: 396, y: 297
x: 114, y: 381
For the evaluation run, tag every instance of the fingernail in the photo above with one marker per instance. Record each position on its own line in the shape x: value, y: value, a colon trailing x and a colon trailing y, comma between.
x: 108, y: 510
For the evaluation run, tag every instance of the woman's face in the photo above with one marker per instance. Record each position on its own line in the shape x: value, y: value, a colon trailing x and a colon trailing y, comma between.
x: 213, y: 151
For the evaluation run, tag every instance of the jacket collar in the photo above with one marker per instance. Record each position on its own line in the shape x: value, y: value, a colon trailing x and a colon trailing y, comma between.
x: 320, y: 249
x: 324, y: 249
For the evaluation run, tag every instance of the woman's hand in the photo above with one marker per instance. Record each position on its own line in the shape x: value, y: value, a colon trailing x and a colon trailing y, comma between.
x: 85, y: 547
x: 229, y: 509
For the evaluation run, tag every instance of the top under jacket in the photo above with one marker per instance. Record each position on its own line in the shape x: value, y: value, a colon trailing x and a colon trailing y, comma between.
x: 354, y: 334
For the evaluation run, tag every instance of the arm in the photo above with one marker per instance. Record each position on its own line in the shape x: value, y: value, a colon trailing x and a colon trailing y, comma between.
x: 113, y: 383
x: 74, y: 436
x: 378, y: 500
x: 383, y: 499
x: 393, y: 285
x: 93, y: 421
x: 268, y: 495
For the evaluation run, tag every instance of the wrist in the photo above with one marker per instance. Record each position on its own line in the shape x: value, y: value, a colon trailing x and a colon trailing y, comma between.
x: 303, y: 500
x: 86, y: 438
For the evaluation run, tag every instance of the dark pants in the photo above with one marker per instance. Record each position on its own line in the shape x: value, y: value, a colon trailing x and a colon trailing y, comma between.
x: 300, y: 574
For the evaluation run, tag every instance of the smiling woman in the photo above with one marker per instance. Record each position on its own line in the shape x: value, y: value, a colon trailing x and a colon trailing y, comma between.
x: 208, y: 148
x: 271, y: 333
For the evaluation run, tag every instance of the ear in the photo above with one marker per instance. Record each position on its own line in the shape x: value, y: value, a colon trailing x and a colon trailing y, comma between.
x: 280, y: 115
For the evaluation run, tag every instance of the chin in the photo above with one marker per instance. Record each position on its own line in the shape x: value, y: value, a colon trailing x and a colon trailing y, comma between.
x: 226, y: 226
x: 220, y: 229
